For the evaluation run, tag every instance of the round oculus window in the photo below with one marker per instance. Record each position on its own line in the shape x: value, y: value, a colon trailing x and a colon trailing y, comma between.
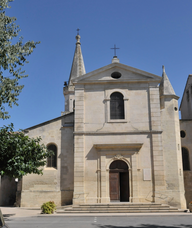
x: 116, y: 75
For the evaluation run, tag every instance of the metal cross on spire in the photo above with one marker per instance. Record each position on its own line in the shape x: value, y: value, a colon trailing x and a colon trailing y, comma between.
x: 115, y: 48
x: 78, y: 31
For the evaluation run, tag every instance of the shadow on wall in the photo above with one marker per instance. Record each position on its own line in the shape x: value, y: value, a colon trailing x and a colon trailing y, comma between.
x: 144, y: 226
x: 92, y: 154
x: 67, y: 160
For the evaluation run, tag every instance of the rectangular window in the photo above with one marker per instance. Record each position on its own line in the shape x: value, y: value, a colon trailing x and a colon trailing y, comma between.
x: 187, y: 95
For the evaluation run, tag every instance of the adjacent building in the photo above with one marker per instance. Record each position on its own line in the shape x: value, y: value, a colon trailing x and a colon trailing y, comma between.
x: 186, y: 137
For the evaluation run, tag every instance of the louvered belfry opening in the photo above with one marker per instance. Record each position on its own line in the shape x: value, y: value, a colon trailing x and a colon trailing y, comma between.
x: 185, y: 158
x: 116, y: 106
x: 52, y: 160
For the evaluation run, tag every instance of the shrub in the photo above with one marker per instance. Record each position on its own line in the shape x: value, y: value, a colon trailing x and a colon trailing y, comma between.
x: 48, y: 207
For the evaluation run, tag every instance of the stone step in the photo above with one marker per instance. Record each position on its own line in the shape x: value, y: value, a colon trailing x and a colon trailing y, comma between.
x: 120, y: 211
x: 116, y: 205
x: 121, y: 208
x: 118, y: 208
x: 121, y: 204
x: 111, y: 209
x: 130, y: 206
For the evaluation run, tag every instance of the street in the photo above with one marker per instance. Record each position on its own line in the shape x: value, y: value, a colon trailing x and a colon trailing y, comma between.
x: 150, y: 221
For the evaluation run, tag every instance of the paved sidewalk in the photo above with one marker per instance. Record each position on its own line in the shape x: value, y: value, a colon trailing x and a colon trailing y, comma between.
x: 20, y: 212
x: 17, y: 212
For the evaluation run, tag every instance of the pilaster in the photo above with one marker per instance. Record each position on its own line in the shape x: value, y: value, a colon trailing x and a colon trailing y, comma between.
x: 79, y: 156
x: 135, y: 183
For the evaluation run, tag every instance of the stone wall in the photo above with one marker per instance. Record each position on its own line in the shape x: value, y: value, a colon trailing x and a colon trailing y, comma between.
x: 56, y: 184
x: 172, y: 152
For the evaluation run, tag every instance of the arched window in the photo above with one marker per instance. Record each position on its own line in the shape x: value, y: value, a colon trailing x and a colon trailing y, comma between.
x: 52, y: 161
x: 185, y: 157
x: 116, y: 106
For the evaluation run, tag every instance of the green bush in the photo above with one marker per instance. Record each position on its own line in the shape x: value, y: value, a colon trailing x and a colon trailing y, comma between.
x: 48, y: 207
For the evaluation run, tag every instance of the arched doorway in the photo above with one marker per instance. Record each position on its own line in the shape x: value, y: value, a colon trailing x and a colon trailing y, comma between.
x: 119, y: 181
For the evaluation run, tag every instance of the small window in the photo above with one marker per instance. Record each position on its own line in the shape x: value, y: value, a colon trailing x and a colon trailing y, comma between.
x: 73, y: 105
x: 187, y: 95
x: 52, y: 161
x: 117, y: 106
x: 185, y: 158
x: 182, y: 134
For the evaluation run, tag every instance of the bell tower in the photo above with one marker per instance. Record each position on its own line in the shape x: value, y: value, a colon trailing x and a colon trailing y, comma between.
x: 77, y: 69
x: 171, y: 142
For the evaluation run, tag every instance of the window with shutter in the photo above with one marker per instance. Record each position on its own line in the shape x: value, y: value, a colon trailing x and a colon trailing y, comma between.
x: 116, y: 106
x: 52, y: 160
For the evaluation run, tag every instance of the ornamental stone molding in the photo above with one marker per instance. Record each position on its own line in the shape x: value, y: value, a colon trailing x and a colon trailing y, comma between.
x: 118, y: 156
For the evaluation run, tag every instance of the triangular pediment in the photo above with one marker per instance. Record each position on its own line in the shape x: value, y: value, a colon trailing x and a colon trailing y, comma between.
x: 128, y: 74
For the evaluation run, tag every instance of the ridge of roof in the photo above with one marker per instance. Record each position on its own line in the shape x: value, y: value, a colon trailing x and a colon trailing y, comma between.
x: 48, y: 121
x: 116, y: 64
x: 190, y: 75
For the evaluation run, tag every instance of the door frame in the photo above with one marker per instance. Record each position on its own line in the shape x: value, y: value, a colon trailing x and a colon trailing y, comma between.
x: 119, y: 171
x: 106, y: 154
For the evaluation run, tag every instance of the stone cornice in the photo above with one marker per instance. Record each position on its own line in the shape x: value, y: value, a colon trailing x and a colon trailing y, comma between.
x: 116, y: 133
x: 170, y: 96
x: 123, y: 146
x: 115, y: 82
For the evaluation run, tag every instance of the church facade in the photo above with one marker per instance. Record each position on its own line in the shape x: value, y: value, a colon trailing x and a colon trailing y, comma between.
x: 118, y: 140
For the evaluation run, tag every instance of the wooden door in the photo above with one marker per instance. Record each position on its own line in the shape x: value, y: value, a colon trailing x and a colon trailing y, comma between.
x: 124, y: 187
x: 114, y: 186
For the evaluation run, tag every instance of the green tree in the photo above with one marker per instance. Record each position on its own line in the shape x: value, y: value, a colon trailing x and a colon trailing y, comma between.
x: 21, y: 155
x: 12, y: 58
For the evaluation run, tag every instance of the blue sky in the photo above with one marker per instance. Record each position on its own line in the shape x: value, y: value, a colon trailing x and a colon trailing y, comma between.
x: 149, y: 33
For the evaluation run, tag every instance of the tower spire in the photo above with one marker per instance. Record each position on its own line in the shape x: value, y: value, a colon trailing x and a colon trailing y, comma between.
x: 78, y: 67
x: 165, y: 85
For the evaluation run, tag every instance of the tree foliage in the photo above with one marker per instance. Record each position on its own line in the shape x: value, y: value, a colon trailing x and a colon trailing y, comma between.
x: 12, y: 58
x: 19, y: 154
